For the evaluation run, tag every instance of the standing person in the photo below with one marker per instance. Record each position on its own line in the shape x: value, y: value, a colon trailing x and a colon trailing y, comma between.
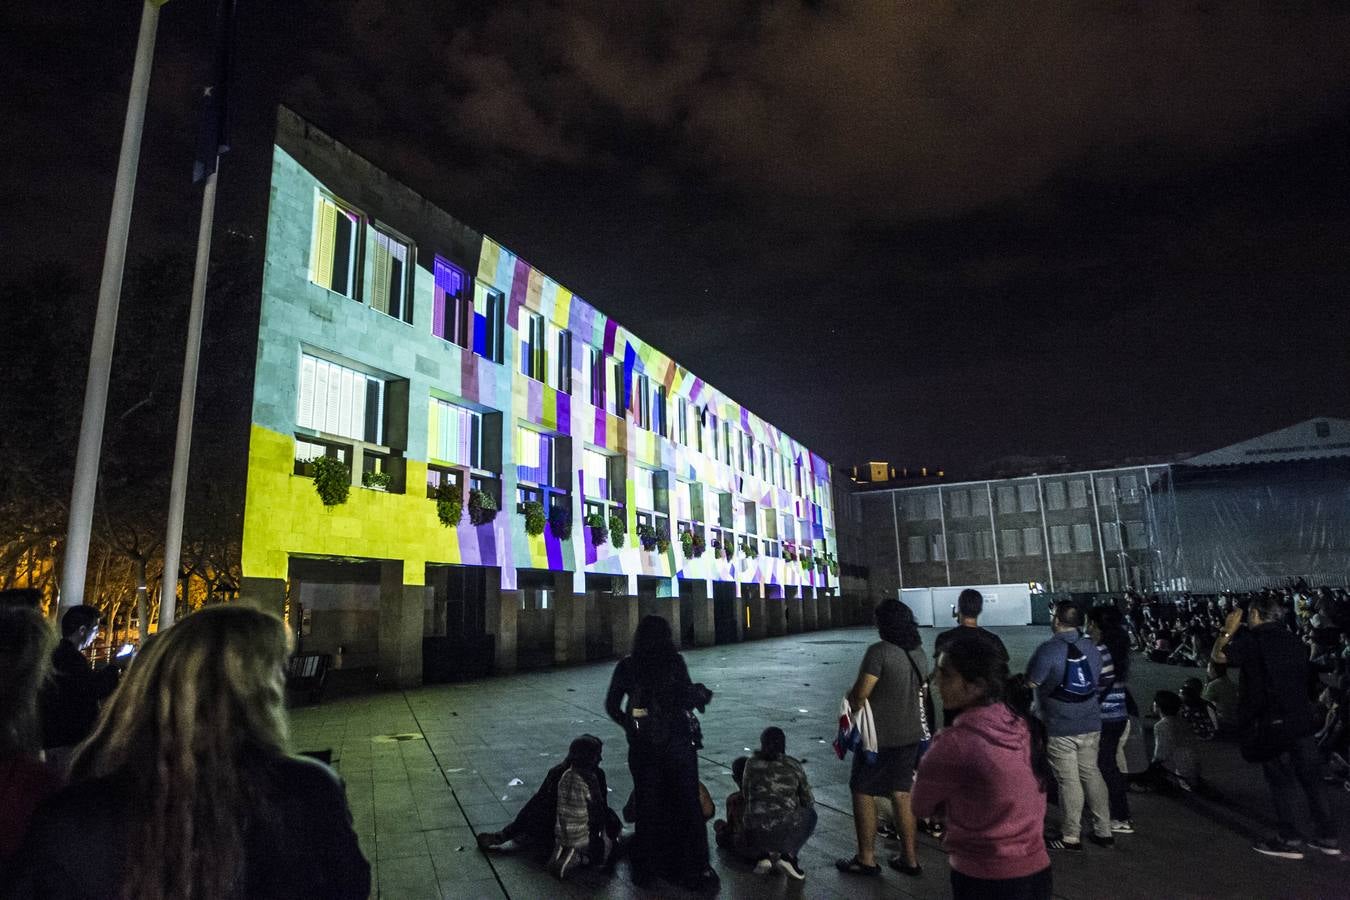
x: 1066, y: 672
x: 987, y: 776
x: 891, y: 680
x: 1277, y: 721
x: 25, y: 656
x: 780, y: 812
x: 969, y: 605
x: 70, y: 699
x: 185, y: 789
x: 1106, y: 626
x: 671, y: 837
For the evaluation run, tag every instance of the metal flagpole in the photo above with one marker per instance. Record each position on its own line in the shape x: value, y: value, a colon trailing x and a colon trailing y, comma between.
x: 187, y: 400
x: 105, y: 322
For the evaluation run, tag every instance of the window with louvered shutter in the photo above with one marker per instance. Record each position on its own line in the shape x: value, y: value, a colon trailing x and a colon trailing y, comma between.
x: 341, y: 401
x: 455, y: 434
x: 336, y: 247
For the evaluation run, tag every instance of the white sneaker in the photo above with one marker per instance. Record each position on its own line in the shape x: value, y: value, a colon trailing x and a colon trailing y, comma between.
x: 1122, y: 826
x: 764, y: 866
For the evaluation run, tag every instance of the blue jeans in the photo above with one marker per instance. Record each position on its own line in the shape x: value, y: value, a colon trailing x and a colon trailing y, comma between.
x: 1289, y: 772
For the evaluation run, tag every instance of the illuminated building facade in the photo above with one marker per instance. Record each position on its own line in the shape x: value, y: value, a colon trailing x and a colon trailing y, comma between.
x: 439, y: 377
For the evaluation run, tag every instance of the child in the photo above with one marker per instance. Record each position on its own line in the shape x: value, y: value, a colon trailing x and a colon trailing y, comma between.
x: 1222, y: 693
x: 779, y: 808
x: 1197, y: 711
x: 1174, y: 758
x: 730, y: 832
x: 570, y: 810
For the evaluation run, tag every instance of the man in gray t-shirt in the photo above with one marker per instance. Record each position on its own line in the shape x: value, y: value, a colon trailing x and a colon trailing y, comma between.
x: 895, y: 696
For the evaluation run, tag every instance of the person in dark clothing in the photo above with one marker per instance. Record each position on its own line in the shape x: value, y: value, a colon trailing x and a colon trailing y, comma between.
x: 591, y: 828
x: 969, y: 605
x: 671, y: 836
x: 70, y: 700
x: 185, y: 790
x: 1277, y: 716
x: 25, y: 780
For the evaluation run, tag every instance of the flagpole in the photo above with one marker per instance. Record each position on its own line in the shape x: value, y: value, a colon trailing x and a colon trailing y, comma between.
x: 187, y: 400
x: 105, y: 321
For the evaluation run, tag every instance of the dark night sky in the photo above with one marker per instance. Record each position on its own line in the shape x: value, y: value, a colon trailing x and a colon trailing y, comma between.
x: 931, y: 232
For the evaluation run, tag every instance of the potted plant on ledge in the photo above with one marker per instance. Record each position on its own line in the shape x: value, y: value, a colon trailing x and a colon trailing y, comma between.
x: 662, y: 539
x: 599, y: 533
x: 699, y: 545
x: 377, y: 481
x: 647, y: 535
x: 332, y: 480
x: 482, y: 507
x: 449, y: 504
x: 560, y: 522
x: 533, y: 511
x: 618, y: 530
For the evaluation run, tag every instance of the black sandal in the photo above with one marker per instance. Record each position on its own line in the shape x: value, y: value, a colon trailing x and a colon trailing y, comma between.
x: 898, y: 864
x: 855, y: 867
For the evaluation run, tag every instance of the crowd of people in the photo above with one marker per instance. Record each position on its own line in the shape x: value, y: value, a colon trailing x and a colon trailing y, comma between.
x: 179, y: 761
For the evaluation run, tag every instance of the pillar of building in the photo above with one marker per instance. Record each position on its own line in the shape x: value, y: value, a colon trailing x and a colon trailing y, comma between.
x: 755, y: 609
x: 793, y: 611
x: 569, y: 621
x: 824, y: 613
x: 402, y: 614
x: 268, y: 594
x: 701, y: 608
x: 503, y: 620
x: 624, y: 620
x: 810, y: 618
x: 776, y: 611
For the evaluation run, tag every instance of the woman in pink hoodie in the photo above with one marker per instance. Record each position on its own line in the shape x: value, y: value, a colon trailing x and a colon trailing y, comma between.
x: 985, y: 776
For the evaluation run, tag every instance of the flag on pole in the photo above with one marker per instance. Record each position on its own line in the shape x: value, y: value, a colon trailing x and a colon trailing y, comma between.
x: 214, y: 137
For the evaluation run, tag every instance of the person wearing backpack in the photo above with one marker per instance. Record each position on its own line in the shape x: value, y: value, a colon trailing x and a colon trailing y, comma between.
x: 1067, y: 674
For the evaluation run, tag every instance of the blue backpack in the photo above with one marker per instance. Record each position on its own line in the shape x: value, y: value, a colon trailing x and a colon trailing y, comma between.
x: 1078, y: 683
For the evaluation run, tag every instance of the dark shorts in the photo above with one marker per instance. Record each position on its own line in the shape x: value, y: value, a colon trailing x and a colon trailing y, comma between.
x: 892, y: 772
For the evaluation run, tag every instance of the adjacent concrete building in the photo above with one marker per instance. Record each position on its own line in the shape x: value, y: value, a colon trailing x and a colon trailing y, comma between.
x: 524, y: 476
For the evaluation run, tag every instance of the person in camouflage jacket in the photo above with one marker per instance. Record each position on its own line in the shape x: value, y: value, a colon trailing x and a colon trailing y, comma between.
x: 779, y: 808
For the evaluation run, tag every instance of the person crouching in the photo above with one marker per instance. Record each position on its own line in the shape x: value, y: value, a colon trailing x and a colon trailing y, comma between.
x: 779, y: 809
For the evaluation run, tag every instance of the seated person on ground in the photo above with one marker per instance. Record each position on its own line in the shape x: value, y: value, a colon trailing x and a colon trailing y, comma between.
x: 1221, y: 692
x: 569, y: 812
x: 779, y: 808
x: 1175, y: 761
x: 1197, y: 711
x: 730, y: 831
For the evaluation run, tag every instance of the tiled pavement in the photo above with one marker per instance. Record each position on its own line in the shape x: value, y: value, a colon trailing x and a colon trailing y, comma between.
x: 482, y: 748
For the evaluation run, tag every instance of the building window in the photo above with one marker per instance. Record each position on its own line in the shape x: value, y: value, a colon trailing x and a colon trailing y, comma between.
x: 618, y: 404
x: 751, y: 517
x: 984, y: 544
x: 642, y: 401
x: 1136, y: 535
x: 1054, y: 495
x: 565, y: 361
x: 1007, y: 500
x: 961, y: 545
x: 1129, y: 489
x: 932, y: 505
x: 1106, y: 490
x: 683, y: 412
x: 1082, y: 538
x: 602, y: 482
x: 1011, y: 539
x: 1111, y: 537
x: 451, y: 306
x: 939, y: 552
x: 1031, y: 541
x: 959, y: 501
x: 1026, y: 497
x: 979, y: 502
x: 535, y: 457
x: 336, y: 254
x: 1059, y: 540
x: 455, y: 435
x: 340, y: 401
x: 659, y: 403
x: 918, y: 549
x: 726, y: 443
x: 391, y: 275
x: 492, y: 346
x: 1078, y: 493
x: 534, y: 353
x: 597, y: 376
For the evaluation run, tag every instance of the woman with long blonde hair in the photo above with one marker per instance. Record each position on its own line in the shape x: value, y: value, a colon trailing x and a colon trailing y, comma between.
x: 185, y: 789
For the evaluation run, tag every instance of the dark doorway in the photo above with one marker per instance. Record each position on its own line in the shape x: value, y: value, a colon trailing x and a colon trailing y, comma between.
x: 689, y: 592
x: 600, y: 615
x: 457, y: 645
x: 725, y: 626
x: 534, y: 628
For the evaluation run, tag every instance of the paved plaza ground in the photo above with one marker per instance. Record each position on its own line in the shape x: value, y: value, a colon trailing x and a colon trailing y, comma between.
x: 471, y: 754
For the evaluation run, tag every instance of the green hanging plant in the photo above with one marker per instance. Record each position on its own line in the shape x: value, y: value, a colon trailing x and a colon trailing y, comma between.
x: 380, y: 481
x: 618, y: 529
x: 687, y: 543
x: 332, y: 480
x: 647, y: 535
x: 560, y: 522
x: 751, y: 549
x: 834, y: 567
x: 662, y: 539
x: 806, y: 562
x: 533, y: 511
x: 449, y: 504
x: 599, y: 533
x: 482, y: 507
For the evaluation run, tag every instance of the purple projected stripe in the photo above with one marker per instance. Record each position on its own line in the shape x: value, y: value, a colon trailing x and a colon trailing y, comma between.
x: 600, y: 428
x: 745, y: 419
x: 564, y: 425
x: 520, y: 283
x: 611, y: 331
